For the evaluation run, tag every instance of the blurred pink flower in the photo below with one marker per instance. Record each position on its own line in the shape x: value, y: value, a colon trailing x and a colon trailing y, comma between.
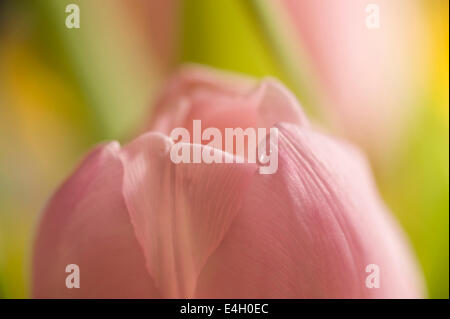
x: 139, y: 225
x: 159, y: 21
x: 370, y: 78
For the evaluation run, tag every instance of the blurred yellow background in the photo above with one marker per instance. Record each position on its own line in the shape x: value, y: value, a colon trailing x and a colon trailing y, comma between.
x: 64, y: 90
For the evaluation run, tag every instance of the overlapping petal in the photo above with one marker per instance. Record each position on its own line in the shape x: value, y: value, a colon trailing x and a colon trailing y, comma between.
x: 223, y: 100
x: 86, y: 223
x: 180, y: 212
x: 310, y: 231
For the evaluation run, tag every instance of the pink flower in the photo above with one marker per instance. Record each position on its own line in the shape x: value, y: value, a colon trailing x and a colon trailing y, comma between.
x: 138, y: 225
x: 368, y: 74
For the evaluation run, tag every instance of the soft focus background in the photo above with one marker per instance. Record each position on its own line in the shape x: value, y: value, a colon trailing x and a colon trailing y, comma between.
x: 64, y: 90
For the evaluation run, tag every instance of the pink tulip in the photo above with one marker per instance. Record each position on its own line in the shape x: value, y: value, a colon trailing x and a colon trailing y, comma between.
x: 138, y: 225
x: 372, y: 76
x: 159, y: 22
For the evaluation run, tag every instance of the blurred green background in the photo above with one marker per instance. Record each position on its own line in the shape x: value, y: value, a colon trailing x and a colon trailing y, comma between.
x: 64, y: 90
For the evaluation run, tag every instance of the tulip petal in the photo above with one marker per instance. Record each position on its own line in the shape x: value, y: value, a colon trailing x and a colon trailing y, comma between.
x: 86, y: 223
x: 310, y: 230
x: 353, y: 61
x: 277, y: 104
x: 222, y: 101
x: 180, y: 212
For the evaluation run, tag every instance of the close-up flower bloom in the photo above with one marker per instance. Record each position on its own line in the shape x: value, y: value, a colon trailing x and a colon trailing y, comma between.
x: 139, y: 225
x: 226, y: 149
